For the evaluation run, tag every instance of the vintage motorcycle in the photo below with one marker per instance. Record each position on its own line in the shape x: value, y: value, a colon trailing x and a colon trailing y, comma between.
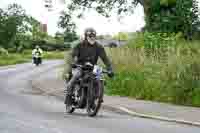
x: 37, y: 59
x: 88, y: 89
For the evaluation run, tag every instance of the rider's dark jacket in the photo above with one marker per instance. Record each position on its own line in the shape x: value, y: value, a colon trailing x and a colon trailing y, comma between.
x: 85, y: 52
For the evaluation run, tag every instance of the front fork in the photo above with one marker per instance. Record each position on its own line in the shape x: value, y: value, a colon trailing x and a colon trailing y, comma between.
x: 93, y: 93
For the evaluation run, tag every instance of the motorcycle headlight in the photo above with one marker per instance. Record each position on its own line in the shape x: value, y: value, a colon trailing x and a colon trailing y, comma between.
x: 97, y: 70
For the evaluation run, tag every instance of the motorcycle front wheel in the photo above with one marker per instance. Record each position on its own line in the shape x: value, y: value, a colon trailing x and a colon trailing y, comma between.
x: 95, y: 98
x: 69, y: 108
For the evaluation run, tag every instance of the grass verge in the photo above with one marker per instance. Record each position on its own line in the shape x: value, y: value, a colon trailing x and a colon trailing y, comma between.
x: 169, y: 74
x: 17, y: 58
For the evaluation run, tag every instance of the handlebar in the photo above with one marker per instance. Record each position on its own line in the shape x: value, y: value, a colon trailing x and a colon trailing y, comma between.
x: 79, y: 65
x: 104, y: 71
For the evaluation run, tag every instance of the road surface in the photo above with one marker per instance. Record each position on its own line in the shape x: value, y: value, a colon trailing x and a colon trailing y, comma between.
x: 24, y: 110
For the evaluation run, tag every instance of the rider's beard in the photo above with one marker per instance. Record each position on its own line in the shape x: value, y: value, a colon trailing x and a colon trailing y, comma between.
x: 91, y: 40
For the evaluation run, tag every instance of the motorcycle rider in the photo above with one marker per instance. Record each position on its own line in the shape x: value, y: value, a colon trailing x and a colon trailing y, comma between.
x: 88, y: 50
x: 37, y: 53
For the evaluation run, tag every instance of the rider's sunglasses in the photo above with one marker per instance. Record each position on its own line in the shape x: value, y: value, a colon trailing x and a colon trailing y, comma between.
x: 91, y: 34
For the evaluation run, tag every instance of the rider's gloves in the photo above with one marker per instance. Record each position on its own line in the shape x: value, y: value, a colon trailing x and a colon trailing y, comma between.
x: 110, y: 73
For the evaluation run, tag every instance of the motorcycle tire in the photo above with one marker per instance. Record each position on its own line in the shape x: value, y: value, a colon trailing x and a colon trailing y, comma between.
x: 69, y: 108
x: 95, y: 98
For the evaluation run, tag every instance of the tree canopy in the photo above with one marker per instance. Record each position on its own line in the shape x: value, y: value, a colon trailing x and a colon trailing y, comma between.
x: 12, y: 22
x: 66, y: 22
x: 173, y: 16
x: 19, y: 30
x: 160, y: 15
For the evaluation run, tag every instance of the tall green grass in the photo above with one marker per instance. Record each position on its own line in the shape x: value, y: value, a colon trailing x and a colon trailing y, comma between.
x: 54, y: 55
x: 13, y: 58
x: 167, y: 74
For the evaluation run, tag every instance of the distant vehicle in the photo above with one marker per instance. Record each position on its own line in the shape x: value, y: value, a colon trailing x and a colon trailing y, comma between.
x: 37, y: 55
x: 37, y: 60
x: 112, y: 45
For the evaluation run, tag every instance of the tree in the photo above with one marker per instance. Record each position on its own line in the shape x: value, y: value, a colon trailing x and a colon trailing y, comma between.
x: 18, y: 30
x: 121, y: 36
x: 12, y: 23
x: 2, y: 27
x: 159, y: 14
x: 16, y: 19
x: 104, y: 7
x: 66, y: 23
x: 70, y: 36
x: 59, y: 37
x: 173, y: 16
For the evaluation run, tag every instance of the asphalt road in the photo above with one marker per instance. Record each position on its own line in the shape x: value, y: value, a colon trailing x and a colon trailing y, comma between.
x: 22, y: 110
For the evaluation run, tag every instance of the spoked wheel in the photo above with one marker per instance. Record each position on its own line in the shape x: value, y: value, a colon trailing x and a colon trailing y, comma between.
x: 95, y: 98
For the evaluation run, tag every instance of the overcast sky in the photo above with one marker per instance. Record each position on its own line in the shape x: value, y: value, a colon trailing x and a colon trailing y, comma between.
x: 93, y: 19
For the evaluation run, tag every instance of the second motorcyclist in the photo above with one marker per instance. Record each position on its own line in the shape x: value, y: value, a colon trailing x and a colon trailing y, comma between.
x: 37, y: 55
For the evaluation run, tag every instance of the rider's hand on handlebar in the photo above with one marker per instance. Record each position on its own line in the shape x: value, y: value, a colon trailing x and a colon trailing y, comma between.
x: 110, y: 73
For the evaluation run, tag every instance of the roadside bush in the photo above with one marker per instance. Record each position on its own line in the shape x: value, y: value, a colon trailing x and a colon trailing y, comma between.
x: 137, y: 41
x: 163, y: 68
x: 50, y: 46
x: 3, y: 51
x: 53, y: 55
x: 11, y: 59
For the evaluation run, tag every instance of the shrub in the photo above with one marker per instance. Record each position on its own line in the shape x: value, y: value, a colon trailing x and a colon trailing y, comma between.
x: 163, y: 68
x: 3, y: 51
